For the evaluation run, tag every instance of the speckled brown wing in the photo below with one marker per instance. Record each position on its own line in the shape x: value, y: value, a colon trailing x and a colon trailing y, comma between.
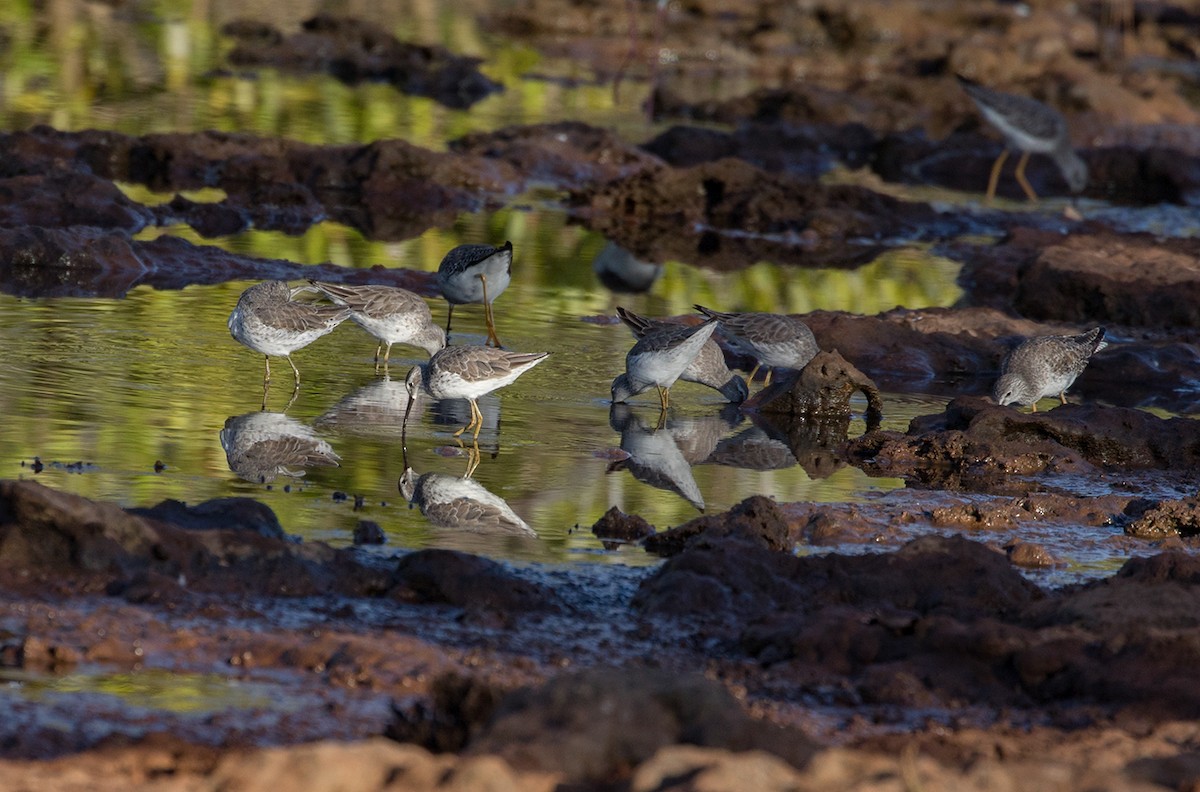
x: 479, y: 363
x: 472, y: 515
x: 373, y: 300
x: 300, y: 316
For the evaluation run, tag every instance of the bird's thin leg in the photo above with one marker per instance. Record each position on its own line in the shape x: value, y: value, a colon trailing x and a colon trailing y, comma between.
x: 1034, y: 407
x: 477, y: 419
x: 291, y: 401
x: 1062, y: 397
x: 753, y: 371
x: 664, y: 396
x: 488, y: 316
x: 378, y: 349
x: 1029, y: 193
x: 995, y: 177
x: 472, y: 460
x: 295, y: 370
x: 767, y: 381
x: 449, y: 316
x: 267, y: 374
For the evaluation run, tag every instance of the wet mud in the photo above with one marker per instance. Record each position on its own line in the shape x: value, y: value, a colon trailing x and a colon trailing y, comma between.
x: 748, y: 652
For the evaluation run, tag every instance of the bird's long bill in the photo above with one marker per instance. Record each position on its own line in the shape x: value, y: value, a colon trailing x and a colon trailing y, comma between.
x: 404, y: 424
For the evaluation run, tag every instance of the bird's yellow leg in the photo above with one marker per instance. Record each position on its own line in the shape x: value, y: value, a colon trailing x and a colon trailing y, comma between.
x: 489, y: 316
x: 1062, y: 397
x: 1034, y: 407
x: 753, y: 371
x: 476, y: 419
x: 994, y: 179
x: 295, y: 370
x: 767, y: 381
x: 472, y: 460
x: 1025, y: 185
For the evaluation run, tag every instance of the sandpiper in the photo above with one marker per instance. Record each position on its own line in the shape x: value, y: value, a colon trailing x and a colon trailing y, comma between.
x: 772, y: 339
x: 659, y: 358
x: 707, y: 369
x: 476, y: 274
x: 1032, y: 128
x: 468, y: 372
x: 1045, y: 366
x: 390, y: 314
x: 269, y: 321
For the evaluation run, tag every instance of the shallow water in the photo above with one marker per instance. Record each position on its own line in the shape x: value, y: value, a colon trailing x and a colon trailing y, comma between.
x: 105, y: 391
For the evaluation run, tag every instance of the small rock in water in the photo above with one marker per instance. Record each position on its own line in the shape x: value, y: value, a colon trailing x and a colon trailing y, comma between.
x: 368, y: 532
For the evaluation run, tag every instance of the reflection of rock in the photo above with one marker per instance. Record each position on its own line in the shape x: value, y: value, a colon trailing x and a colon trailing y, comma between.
x: 461, y: 504
x: 618, y: 270
x: 356, y: 51
x: 262, y: 445
x: 810, y: 442
x: 822, y: 388
x: 663, y: 457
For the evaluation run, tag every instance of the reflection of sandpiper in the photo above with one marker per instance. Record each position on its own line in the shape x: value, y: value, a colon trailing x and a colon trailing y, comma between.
x: 270, y: 322
x: 262, y: 445
x: 774, y: 340
x: 659, y: 358
x: 618, y: 270
x: 1045, y: 366
x: 376, y: 409
x: 1030, y: 127
x: 663, y: 457
x: 476, y: 274
x: 461, y: 503
x: 708, y: 367
x: 468, y: 372
x: 390, y: 314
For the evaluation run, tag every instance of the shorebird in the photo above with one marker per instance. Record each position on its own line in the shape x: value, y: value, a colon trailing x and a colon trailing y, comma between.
x: 267, y: 320
x: 707, y: 369
x: 468, y: 372
x: 476, y: 274
x: 772, y: 339
x: 1032, y: 128
x: 1045, y: 366
x: 619, y: 270
x: 390, y: 314
x: 659, y: 358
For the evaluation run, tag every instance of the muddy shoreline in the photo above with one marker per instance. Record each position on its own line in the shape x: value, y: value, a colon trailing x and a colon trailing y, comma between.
x: 940, y: 662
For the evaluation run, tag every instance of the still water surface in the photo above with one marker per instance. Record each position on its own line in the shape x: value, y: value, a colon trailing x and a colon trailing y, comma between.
x: 100, y: 390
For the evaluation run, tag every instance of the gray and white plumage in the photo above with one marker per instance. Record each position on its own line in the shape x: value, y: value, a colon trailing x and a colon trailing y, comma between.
x: 475, y: 273
x: 267, y: 320
x: 1030, y: 126
x: 708, y: 368
x: 390, y: 314
x: 468, y: 372
x: 659, y: 358
x: 1045, y: 366
x: 461, y: 504
x: 775, y: 340
x: 656, y: 456
x: 260, y: 446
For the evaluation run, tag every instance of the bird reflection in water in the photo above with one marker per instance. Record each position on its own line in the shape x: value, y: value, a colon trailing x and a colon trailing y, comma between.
x: 461, y: 503
x: 374, y: 410
x: 619, y: 270
x: 259, y: 446
x: 662, y: 455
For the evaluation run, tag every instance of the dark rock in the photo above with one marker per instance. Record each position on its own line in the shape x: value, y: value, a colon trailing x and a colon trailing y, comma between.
x: 616, y: 524
x: 822, y: 389
x: 458, y: 709
x: 469, y: 582
x: 757, y: 520
x: 368, y: 532
x: 596, y: 725
x: 235, y: 514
